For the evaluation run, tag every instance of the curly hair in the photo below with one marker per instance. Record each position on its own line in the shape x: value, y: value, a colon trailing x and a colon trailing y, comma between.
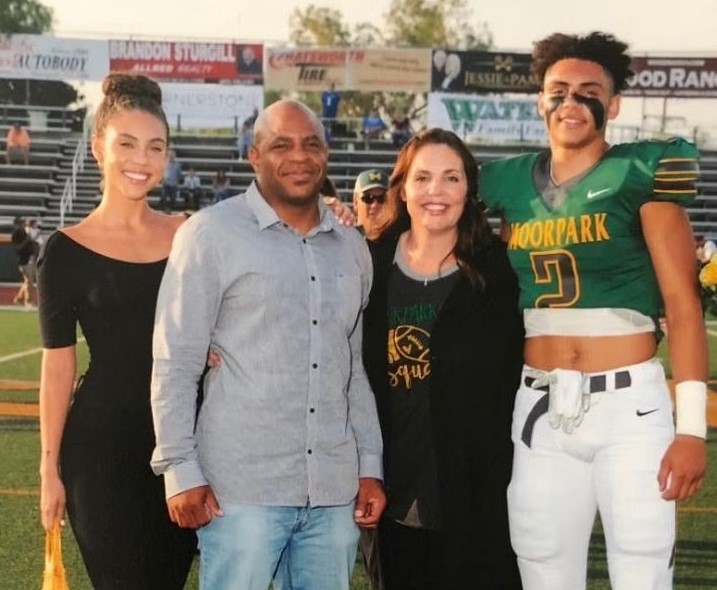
x: 474, y: 231
x: 131, y: 92
x: 602, y: 48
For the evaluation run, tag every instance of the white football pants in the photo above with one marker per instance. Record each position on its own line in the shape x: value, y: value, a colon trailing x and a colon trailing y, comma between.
x: 609, y: 463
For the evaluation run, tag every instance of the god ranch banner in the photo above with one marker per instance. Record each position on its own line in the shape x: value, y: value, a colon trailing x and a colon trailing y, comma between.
x: 184, y: 61
x: 487, y: 119
x: 368, y: 70
x: 683, y: 77
x: 39, y: 57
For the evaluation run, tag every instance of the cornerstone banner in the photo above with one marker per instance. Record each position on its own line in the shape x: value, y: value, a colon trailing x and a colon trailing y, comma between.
x: 185, y: 61
x: 40, y: 57
x: 367, y: 70
x: 210, y: 105
x: 683, y: 77
x: 481, y: 72
x: 488, y: 119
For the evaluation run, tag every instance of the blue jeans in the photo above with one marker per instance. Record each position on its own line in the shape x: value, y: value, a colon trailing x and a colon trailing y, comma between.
x: 300, y: 548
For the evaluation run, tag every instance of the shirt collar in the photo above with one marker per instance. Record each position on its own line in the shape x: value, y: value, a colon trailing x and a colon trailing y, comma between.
x: 266, y: 216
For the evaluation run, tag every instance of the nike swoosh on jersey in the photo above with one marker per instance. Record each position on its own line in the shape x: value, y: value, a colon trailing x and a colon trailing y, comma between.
x: 640, y: 414
x: 593, y: 194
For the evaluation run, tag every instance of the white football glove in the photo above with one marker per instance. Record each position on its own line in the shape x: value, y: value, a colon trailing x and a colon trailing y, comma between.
x: 567, y: 397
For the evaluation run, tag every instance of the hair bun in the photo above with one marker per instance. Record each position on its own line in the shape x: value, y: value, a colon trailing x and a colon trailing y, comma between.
x: 131, y: 85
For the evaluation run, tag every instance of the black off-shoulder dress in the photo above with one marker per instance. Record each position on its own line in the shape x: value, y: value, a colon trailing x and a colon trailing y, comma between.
x: 115, y: 503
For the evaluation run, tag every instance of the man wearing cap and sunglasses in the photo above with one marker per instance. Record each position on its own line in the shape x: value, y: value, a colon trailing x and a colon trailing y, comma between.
x: 369, y: 202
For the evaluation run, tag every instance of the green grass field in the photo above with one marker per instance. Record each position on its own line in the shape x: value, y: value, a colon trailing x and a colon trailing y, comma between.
x: 21, y: 538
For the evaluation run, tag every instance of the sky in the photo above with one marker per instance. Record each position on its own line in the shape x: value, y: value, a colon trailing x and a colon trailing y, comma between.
x: 667, y: 27
x: 647, y: 25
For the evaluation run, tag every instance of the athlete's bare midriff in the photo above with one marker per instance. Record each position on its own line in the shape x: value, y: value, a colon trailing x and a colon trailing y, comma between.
x: 589, y: 354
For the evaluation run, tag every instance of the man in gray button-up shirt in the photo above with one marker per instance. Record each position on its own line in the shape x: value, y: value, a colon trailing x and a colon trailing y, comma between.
x: 286, y: 453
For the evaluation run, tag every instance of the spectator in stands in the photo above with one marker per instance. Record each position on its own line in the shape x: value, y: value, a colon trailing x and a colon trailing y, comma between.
x: 97, y: 437
x: 369, y: 202
x: 192, y: 189
x: 17, y: 142
x: 443, y: 340
x: 400, y: 129
x: 26, y: 250
x: 330, y: 100
x: 170, y: 182
x: 373, y: 126
x: 288, y: 431
x: 246, y: 134
x: 221, y: 187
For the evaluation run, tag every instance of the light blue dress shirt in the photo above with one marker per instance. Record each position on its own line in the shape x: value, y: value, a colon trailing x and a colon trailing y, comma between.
x: 288, y: 417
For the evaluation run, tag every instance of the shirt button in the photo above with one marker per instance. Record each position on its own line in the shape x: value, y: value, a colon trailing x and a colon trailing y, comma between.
x: 313, y: 278
x: 309, y: 452
x: 314, y: 322
x: 304, y: 241
x: 312, y: 410
x: 315, y: 366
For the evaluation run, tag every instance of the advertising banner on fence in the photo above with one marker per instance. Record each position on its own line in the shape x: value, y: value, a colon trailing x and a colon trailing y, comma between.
x: 683, y: 77
x: 367, y: 70
x: 40, y: 57
x: 210, y: 105
x: 488, y: 119
x: 481, y: 72
x: 185, y: 61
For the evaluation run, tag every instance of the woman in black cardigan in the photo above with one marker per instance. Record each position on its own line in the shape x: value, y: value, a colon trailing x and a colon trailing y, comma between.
x: 443, y: 351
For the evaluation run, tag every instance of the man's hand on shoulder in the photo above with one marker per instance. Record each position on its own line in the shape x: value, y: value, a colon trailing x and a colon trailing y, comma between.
x: 370, y: 502
x: 194, y: 507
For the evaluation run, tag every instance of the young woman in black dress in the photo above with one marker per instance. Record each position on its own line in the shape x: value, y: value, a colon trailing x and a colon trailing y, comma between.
x: 104, y: 274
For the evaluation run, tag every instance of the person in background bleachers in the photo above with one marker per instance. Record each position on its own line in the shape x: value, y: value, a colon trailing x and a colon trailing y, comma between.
x: 330, y: 100
x: 400, y: 129
x: 369, y: 202
x: 97, y: 436
x: 192, y: 190
x: 170, y: 182
x: 17, y: 142
x: 704, y: 249
x: 27, y: 250
x: 221, y: 188
x: 246, y: 134
x: 373, y: 127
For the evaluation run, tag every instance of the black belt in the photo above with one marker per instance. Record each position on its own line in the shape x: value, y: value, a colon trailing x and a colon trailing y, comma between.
x: 597, y: 384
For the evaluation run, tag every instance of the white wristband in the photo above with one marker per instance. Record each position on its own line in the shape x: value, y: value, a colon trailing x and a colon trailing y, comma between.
x: 691, y: 408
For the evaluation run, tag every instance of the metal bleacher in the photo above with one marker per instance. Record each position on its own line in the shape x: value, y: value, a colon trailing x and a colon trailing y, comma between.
x: 36, y: 190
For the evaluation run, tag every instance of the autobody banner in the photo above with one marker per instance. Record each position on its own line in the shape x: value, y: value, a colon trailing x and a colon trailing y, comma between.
x: 40, y: 57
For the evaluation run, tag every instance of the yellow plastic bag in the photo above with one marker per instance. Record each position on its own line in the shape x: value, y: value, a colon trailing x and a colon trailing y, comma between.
x: 54, y: 575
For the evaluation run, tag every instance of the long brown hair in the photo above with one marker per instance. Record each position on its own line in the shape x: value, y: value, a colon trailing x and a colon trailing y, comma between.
x: 474, y: 232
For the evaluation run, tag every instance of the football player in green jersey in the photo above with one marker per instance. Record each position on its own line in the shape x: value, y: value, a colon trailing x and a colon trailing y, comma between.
x: 602, y: 248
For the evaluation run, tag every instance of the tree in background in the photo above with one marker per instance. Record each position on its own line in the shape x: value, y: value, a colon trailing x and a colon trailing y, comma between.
x: 32, y: 18
x: 24, y: 16
x: 409, y: 23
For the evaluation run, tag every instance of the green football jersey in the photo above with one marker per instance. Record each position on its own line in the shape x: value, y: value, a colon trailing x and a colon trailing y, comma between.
x: 589, y: 251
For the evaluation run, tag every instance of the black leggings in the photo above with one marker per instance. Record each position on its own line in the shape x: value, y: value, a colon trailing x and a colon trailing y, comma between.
x: 118, y: 513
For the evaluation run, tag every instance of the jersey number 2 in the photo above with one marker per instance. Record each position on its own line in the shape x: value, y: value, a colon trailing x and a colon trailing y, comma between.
x: 559, y: 268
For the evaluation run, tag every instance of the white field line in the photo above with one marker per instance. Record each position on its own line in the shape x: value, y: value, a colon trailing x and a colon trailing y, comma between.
x: 18, y: 355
